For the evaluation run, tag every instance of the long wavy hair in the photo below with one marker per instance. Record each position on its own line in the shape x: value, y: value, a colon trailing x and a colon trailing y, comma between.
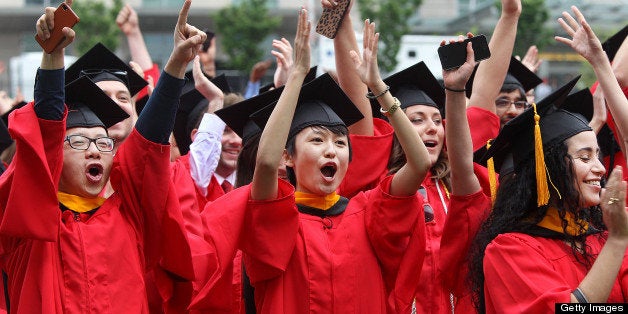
x: 516, y: 210
x: 439, y: 171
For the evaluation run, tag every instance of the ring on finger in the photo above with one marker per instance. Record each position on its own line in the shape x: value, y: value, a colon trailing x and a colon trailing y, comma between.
x: 613, y: 200
x: 43, y: 28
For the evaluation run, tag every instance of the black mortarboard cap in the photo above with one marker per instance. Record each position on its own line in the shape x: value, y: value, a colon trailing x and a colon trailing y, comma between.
x: 415, y: 85
x: 518, y: 75
x: 612, y: 44
x: 237, y: 115
x: 321, y: 102
x: 557, y: 124
x: 192, y: 105
x: 89, y: 106
x: 5, y: 137
x: 308, y: 78
x: 101, y: 64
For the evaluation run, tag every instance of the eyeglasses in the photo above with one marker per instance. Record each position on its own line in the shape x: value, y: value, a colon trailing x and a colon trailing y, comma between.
x: 505, y: 103
x: 80, y: 142
x: 427, y: 208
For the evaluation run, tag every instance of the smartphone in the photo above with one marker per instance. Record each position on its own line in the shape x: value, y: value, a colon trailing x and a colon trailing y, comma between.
x: 330, y: 20
x: 64, y: 17
x: 454, y: 55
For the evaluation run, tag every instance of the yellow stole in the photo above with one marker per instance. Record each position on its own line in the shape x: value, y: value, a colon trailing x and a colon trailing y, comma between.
x: 316, y: 201
x: 553, y: 222
x: 79, y: 204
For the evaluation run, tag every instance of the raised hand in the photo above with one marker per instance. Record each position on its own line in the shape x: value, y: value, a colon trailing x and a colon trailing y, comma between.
x: 127, y: 20
x: 45, y: 24
x: 613, y: 202
x: 457, y: 78
x: 302, y: 44
x: 208, y: 89
x: 511, y: 7
x: 187, y: 40
x: 367, y: 67
x: 283, y: 54
x: 583, y: 39
x: 259, y: 69
x: 531, y: 59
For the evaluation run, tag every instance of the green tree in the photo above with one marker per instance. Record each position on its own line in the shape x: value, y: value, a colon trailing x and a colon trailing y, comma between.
x: 242, y: 28
x: 531, y: 29
x: 390, y: 17
x: 98, y: 24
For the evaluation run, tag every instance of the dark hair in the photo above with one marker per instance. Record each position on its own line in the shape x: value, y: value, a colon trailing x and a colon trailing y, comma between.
x: 508, y: 88
x: 516, y: 210
x: 291, y: 149
x: 245, y: 166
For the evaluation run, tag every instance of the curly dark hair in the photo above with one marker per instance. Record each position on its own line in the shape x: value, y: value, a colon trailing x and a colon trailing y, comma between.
x: 516, y: 210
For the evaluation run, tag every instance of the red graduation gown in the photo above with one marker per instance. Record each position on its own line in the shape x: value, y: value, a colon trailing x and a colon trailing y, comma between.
x: 338, y: 264
x: 431, y: 295
x: 227, y: 295
x: 528, y: 274
x: 224, y: 216
x: 60, y: 262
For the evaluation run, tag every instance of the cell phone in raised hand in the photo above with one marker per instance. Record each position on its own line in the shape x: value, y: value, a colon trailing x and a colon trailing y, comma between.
x: 331, y: 18
x: 455, y: 54
x: 64, y: 17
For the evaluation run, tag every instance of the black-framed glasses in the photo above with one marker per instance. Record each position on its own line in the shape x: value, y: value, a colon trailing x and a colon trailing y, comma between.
x: 428, y: 211
x: 121, y: 74
x: 505, y: 103
x: 80, y: 142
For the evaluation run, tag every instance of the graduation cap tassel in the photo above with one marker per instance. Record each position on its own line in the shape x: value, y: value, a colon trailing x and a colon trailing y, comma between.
x: 492, y: 177
x: 542, y: 190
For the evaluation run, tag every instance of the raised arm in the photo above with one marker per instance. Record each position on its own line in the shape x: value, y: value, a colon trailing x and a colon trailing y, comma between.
x: 584, y: 41
x: 457, y: 132
x: 275, y: 134
x: 128, y: 23
x: 408, y: 179
x: 156, y: 121
x: 348, y: 79
x: 491, y: 73
x: 620, y: 64
x: 208, y: 89
x: 49, y: 91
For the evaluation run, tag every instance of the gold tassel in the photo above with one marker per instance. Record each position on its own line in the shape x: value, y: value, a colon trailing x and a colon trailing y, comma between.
x: 542, y: 190
x: 492, y: 177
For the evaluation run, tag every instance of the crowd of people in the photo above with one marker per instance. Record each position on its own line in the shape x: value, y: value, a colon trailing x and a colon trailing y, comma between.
x: 342, y: 193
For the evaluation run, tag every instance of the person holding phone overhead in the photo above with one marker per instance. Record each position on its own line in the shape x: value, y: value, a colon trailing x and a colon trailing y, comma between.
x: 69, y: 250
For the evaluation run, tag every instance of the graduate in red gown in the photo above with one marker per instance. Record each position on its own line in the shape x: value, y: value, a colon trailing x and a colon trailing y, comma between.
x: 74, y: 251
x: 559, y: 237
x: 302, y: 255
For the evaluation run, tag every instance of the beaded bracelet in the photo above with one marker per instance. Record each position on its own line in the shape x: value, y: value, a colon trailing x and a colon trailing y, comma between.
x: 370, y: 95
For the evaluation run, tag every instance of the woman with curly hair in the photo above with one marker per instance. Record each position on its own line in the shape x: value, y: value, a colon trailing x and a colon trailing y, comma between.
x: 560, y: 238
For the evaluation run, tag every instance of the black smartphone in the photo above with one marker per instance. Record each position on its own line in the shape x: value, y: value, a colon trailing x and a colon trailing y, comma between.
x: 454, y: 55
x: 64, y: 17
